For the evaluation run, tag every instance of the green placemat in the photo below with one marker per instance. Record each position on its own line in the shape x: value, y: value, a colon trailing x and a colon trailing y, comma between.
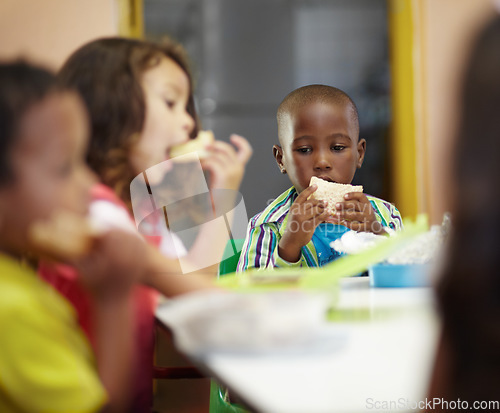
x: 325, y: 277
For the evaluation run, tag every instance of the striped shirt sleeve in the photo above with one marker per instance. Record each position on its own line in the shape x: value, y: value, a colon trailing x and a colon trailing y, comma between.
x: 260, y: 249
x: 280, y: 262
x: 387, y: 214
x: 260, y: 243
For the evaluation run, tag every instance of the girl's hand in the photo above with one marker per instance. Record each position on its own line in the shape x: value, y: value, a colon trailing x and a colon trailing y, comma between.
x: 357, y: 213
x: 303, y: 218
x: 226, y: 164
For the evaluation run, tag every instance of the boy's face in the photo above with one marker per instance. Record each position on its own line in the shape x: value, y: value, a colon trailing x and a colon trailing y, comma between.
x: 320, y: 139
x: 48, y: 165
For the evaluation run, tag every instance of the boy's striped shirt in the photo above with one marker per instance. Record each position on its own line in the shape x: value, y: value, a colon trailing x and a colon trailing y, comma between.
x: 265, y: 230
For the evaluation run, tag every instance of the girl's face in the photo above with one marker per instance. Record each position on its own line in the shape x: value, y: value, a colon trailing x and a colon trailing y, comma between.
x: 48, y: 165
x: 166, y: 90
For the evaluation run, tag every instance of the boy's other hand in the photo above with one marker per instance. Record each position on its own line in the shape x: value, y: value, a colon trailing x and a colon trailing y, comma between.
x: 116, y: 262
x: 357, y: 213
x: 227, y: 164
x: 304, y: 216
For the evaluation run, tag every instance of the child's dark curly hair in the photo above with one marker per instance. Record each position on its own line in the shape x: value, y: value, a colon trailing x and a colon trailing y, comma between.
x: 21, y: 86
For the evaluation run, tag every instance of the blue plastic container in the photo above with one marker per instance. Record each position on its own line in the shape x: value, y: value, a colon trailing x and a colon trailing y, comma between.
x: 395, y: 275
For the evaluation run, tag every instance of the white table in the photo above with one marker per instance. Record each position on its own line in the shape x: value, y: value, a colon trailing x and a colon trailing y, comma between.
x: 379, y: 363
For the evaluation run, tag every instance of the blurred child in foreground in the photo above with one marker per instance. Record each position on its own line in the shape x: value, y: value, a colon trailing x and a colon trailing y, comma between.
x: 468, y: 361
x: 318, y: 131
x: 46, y: 364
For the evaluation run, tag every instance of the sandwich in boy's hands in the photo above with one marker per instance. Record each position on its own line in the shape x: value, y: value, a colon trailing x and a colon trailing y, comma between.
x: 306, y: 213
x: 348, y: 205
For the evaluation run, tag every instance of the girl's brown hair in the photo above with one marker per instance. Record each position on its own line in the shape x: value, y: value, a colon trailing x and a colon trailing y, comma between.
x: 107, y: 73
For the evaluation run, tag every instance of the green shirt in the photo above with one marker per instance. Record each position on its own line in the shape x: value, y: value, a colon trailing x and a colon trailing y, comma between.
x: 46, y: 364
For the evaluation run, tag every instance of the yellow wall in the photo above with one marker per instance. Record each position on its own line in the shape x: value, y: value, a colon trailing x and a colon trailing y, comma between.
x: 429, y: 41
x: 402, y: 150
x: 446, y: 30
x: 47, y: 31
x: 131, y: 18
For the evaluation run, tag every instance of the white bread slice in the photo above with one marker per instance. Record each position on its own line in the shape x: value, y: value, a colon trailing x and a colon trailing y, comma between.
x: 332, y: 192
x: 193, y: 147
x: 64, y: 235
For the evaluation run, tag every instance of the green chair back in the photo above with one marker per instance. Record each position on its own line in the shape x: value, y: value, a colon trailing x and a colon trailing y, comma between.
x: 233, y: 252
x: 218, y: 395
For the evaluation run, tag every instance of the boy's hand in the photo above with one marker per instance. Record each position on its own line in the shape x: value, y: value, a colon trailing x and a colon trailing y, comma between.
x: 357, y: 213
x: 115, y: 264
x: 304, y: 216
x: 226, y: 164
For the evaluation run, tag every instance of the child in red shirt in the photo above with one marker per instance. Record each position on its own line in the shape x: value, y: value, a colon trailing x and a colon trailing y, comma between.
x: 139, y: 98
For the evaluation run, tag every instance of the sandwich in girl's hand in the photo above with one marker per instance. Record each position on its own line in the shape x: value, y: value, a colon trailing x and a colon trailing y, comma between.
x: 332, y: 192
x: 193, y: 147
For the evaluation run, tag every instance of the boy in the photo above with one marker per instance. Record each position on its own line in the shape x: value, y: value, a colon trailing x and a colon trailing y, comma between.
x: 318, y: 131
x: 46, y: 365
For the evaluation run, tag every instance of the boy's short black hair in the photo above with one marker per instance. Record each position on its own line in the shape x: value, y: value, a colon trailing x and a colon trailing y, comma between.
x: 21, y: 86
x: 314, y: 93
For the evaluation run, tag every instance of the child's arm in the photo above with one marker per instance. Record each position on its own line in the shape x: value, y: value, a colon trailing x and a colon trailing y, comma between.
x: 113, y: 321
x: 304, y: 216
x: 226, y: 166
x: 167, y: 276
x: 259, y: 246
x: 116, y: 262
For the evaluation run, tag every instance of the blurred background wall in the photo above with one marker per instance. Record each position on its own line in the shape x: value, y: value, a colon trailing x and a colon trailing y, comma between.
x: 399, y: 59
x: 443, y: 32
x: 47, y: 31
x: 248, y: 55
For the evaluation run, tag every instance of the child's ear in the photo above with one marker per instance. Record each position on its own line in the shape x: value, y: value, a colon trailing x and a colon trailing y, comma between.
x: 278, y: 155
x: 361, y: 152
